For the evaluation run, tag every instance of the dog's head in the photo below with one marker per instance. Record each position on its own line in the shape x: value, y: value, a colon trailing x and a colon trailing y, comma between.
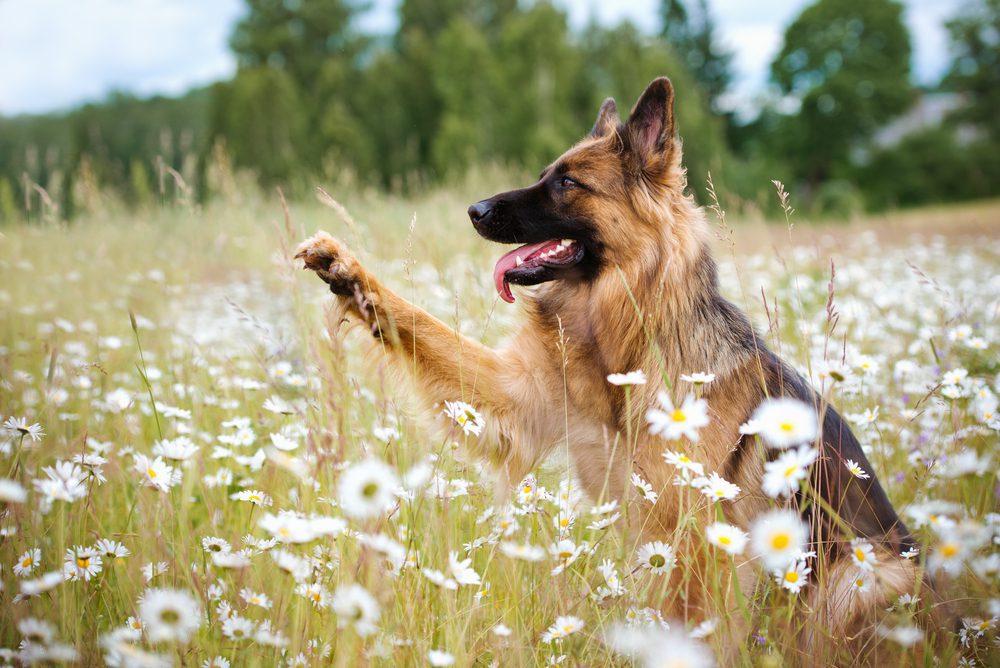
x: 601, y: 202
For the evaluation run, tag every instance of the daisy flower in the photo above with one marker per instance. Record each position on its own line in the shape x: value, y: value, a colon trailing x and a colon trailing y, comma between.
x: 525, y: 551
x: 688, y: 467
x: 631, y: 378
x: 674, y: 422
x: 238, y: 628
x: 254, y: 496
x: 169, y: 614
x: 213, y: 544
x: 355, y: 606
x: 152, y: 569
x: 855, y: 469
x: 565, y: 552
x: 656, y: 557
x: 439, y: 578
x: 462, y: 570
x: 156, y: 473
x: 777, y: 537
x: 367, y: 489
x: 645, y: 489
x: 21, y: 426
x: 716, y: 488
x: 253, y: 598
x: 861, y: 583
x: 564, y: 626
x: 794, y: 577
x: 465, y: 416
x: 786, y: 422
x: 81, y: 563
x: 111, y: 549
x: 699, y: 378
x: 437, y: 657
x: 783, y: 476
x: 27, y: 562
x: 42, y: 584
x: 863, y: 554
x: 726, y: 537
x: 11, y: 491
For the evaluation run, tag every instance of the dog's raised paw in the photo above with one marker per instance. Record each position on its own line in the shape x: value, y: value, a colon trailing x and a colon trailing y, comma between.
x: 331, y: 261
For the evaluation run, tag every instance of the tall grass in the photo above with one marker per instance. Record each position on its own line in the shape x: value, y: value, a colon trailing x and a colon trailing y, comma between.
x: 229, y: 328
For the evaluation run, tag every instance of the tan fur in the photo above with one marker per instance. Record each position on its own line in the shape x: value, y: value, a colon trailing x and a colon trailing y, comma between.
x: 547, y: 387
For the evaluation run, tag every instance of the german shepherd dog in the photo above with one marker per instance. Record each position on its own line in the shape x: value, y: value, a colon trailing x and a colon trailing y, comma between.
x: 623, y: 279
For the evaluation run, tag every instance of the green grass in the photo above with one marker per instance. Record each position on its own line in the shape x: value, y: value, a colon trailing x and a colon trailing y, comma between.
x: 225, y: 321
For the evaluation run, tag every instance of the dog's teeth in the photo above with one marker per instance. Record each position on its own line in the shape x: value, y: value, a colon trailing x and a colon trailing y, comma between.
x: 560, y: 248
x: 518, y: 261
x: 567, y: 242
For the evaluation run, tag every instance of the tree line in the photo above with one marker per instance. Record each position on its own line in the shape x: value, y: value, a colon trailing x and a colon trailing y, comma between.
x: 462, y: 83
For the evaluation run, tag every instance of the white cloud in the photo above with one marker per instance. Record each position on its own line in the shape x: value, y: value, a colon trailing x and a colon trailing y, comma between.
x: 58, y: 53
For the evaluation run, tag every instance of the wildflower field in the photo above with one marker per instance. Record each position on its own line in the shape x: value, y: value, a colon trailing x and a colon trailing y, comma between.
x: 198, y: 468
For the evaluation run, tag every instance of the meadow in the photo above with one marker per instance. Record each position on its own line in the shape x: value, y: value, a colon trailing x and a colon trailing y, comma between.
x: 199, y: 468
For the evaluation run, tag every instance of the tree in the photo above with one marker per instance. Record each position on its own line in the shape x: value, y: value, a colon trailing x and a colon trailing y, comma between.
x: 691, y: 34
x: 975, y: 71
x: 847, y: 64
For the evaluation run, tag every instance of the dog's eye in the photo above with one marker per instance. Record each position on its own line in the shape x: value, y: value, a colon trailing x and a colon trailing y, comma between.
x: 566, y: 183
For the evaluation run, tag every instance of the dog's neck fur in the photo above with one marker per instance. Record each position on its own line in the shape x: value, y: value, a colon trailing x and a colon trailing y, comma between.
x: 680, y: 329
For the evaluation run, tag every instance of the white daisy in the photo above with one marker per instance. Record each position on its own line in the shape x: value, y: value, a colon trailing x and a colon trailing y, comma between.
x: 794, y: 577
x: 355, y: 606
x: 863, y: 554
x: 437, y: 657
x: 563, y: 626
x: 783, y: 476
x: 631, y: 378
x: 673, y: 422
x: 656, y: 557
x: 367, y: 489
x: 786, y: 422
x: 169, y: 614
x: 465, y: 417
x: 254, y: 496
x: 777, y: 537
x: 855, y: 469
x: 81, y: 563
x: 27, y: 562
x: 726, y: 537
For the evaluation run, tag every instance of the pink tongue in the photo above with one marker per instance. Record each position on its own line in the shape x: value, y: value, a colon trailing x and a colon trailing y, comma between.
x: 509, y: 261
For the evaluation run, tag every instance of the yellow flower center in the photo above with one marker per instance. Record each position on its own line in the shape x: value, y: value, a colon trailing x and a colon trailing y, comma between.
x: 859, y: 583
x: 786, y: 427
x: 780, y: 541
x: 859, y: 554
x: 684, y: 458
x: 791, y: 576
x: 150, y: 472
x: 26, y: 562
x: 564, y: 522
x: 83, y: 562
x: 526, y: 490
x: 725, y: 540
x: 791, y: 470
x: 678, y: 415
x: 949, y: 550
x: 254, y: 497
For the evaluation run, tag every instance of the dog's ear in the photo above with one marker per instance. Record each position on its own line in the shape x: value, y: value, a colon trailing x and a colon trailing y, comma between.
x: 650, y: 127
x: 607, y: 119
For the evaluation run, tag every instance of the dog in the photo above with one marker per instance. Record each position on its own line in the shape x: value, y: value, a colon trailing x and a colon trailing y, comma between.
x: 623, y: 278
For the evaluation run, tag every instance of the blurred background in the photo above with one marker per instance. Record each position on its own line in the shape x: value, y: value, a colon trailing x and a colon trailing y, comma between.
x: 856, y: 105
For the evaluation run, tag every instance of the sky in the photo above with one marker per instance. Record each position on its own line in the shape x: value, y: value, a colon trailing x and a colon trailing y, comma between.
x: 57, y: 54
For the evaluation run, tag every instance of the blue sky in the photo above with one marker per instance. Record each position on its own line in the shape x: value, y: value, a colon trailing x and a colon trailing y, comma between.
x: 59, y: 53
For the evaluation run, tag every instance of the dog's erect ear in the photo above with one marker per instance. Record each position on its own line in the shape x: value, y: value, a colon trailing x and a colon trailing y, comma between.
x: 607, y: 119
x: 650, y: 127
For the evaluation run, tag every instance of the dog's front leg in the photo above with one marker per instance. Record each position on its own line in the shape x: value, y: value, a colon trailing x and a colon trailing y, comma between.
x: 447, y: 366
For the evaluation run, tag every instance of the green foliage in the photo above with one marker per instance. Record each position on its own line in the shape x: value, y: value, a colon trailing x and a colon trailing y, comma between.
x: 975, y: 42
x: 690, y: 31
x: 930, y: 166
x: 848, y: 65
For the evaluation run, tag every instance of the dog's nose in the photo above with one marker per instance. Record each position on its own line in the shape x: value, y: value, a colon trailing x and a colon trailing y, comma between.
x: 479, y: 211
